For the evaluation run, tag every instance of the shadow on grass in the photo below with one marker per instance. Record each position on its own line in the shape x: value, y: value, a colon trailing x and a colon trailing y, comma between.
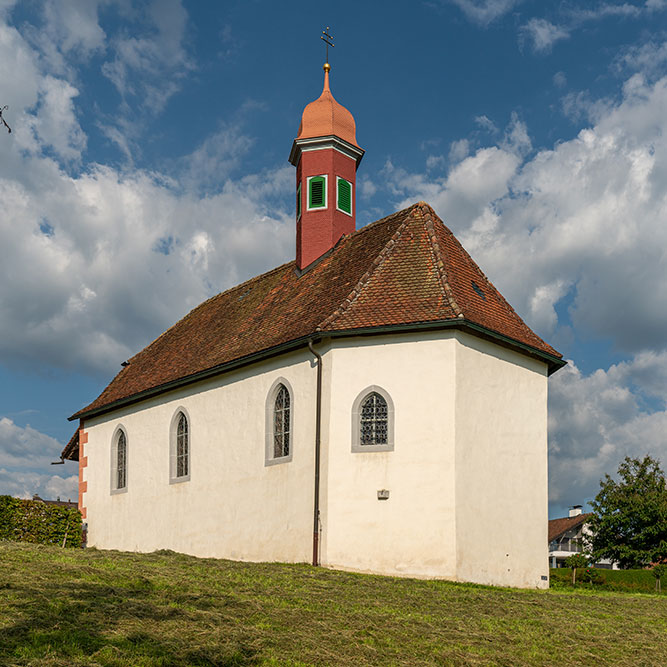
x: 83, y: 622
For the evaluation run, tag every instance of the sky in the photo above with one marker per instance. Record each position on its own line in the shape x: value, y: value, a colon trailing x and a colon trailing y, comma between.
x: 147, y: 170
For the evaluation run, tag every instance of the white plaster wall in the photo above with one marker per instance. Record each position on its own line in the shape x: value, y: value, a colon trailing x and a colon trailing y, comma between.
x: 233, y: 506
x: 413, y: 532
x: 501, y: 466
x: 459, y: 401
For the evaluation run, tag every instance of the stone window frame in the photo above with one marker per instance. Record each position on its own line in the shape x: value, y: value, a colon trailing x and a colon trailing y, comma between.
x: 269, y: 407
x: 114, y: 459
x: 325, y: 192
x: 357, y: 447
x: 173, y: 432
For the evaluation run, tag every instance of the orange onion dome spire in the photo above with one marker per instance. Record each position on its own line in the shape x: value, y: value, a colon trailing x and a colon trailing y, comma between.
x: 325, y: 117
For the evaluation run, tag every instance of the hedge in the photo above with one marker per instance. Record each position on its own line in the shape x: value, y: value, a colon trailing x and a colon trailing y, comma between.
x: 630, y: 581
x: 39, y: 522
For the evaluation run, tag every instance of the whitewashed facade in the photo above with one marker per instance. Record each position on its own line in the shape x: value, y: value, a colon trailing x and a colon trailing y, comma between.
x: 467, y: 475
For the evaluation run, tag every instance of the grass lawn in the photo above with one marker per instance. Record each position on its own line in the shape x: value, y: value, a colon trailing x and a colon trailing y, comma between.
x: 87, y: 607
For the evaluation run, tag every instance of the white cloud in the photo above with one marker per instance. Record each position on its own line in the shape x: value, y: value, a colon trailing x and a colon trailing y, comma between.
x: 485, y: 11
x: 149, y: 68
x: 560, y: 80
x: 588, y: 214
x: 103, y: 260
x: 598, y: 419
x: 466, y: 192
x: 516, y: 139
x: 55, y: 122
x: 649, y: 58
x: 127, y: 256
x: 25, y: 446
x: 603, y: 10
x: 25, y: 458
x: 367, y: 186
x: 458, y: 150
x: 41, y: 108
x: 543, y: 34
x: 25, y: 483
x: 486, y: 123
x: 66, y: 29
x: 212, y: 161
x: 584, y: 223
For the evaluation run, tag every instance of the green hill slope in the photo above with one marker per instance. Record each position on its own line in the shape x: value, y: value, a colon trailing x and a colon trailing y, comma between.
x: 88, y: 607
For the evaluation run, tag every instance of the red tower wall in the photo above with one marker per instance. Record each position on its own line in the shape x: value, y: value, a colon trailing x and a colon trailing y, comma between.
x: 318, y: 231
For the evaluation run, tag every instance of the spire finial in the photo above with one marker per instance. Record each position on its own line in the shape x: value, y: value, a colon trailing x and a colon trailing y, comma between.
x: 327, y: 40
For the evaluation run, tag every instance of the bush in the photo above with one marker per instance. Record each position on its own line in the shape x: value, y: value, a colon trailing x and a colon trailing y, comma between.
x: 39, y: 522
x: 591, y: 576
x: 628, y: 581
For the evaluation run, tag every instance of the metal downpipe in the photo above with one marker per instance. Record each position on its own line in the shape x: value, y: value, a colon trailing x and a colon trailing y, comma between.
x: 318, y: 422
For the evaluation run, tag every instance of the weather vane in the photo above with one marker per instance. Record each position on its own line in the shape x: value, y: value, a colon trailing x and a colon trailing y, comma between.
x: 326, y: 37
x: 4, y: 122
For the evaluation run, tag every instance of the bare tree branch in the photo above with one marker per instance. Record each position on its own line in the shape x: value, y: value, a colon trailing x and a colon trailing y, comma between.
x: 4, y: 122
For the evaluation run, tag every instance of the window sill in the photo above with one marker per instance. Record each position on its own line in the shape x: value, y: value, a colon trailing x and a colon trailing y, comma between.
x: 278, y: 461
x: 356, y: 449
x: 178, y: 480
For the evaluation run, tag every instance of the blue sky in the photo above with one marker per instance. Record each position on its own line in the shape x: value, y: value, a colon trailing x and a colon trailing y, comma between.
x: 147, y: 170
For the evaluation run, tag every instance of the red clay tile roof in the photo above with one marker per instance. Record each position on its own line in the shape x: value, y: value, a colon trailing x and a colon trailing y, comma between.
x: 558, y: 526
x: 406, y: 269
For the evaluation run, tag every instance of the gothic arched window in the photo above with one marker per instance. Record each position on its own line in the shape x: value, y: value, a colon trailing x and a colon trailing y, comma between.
x: 119, y: 461
x: 279, y: 421
x: 179, y: 468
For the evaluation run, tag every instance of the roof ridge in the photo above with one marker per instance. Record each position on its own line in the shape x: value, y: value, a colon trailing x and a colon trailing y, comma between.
x: 489, y: 284
x: 381, y: 221
x: 346, y: 304
x: 438, y: 255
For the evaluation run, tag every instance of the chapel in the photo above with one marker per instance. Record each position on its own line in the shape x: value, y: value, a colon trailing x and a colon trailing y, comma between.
x: 375, y: 404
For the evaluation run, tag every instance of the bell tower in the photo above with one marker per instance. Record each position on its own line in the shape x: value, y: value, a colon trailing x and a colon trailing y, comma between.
x: 326, y: 156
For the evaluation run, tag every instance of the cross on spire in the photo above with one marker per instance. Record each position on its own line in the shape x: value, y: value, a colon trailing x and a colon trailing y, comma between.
x: 327, y: 37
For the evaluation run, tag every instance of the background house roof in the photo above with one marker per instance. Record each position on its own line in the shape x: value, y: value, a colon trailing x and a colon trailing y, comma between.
x: 406, y: 269
x: 559, y: 526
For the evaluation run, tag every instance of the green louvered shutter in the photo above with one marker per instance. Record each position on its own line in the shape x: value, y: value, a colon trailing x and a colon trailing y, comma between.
x: 345, y: 196
x: 316, y: 193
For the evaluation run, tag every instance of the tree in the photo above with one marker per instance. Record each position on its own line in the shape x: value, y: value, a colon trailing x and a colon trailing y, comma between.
x: 629, y: 521
x: 659, y: 572
x: 576, y: 561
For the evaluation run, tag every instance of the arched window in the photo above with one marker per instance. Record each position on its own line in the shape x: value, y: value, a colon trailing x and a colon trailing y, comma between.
x: 180, y: 448
x: 281, y: 423
x: 119, y: 462
x: 279, y: 420
x: 373, y: 421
